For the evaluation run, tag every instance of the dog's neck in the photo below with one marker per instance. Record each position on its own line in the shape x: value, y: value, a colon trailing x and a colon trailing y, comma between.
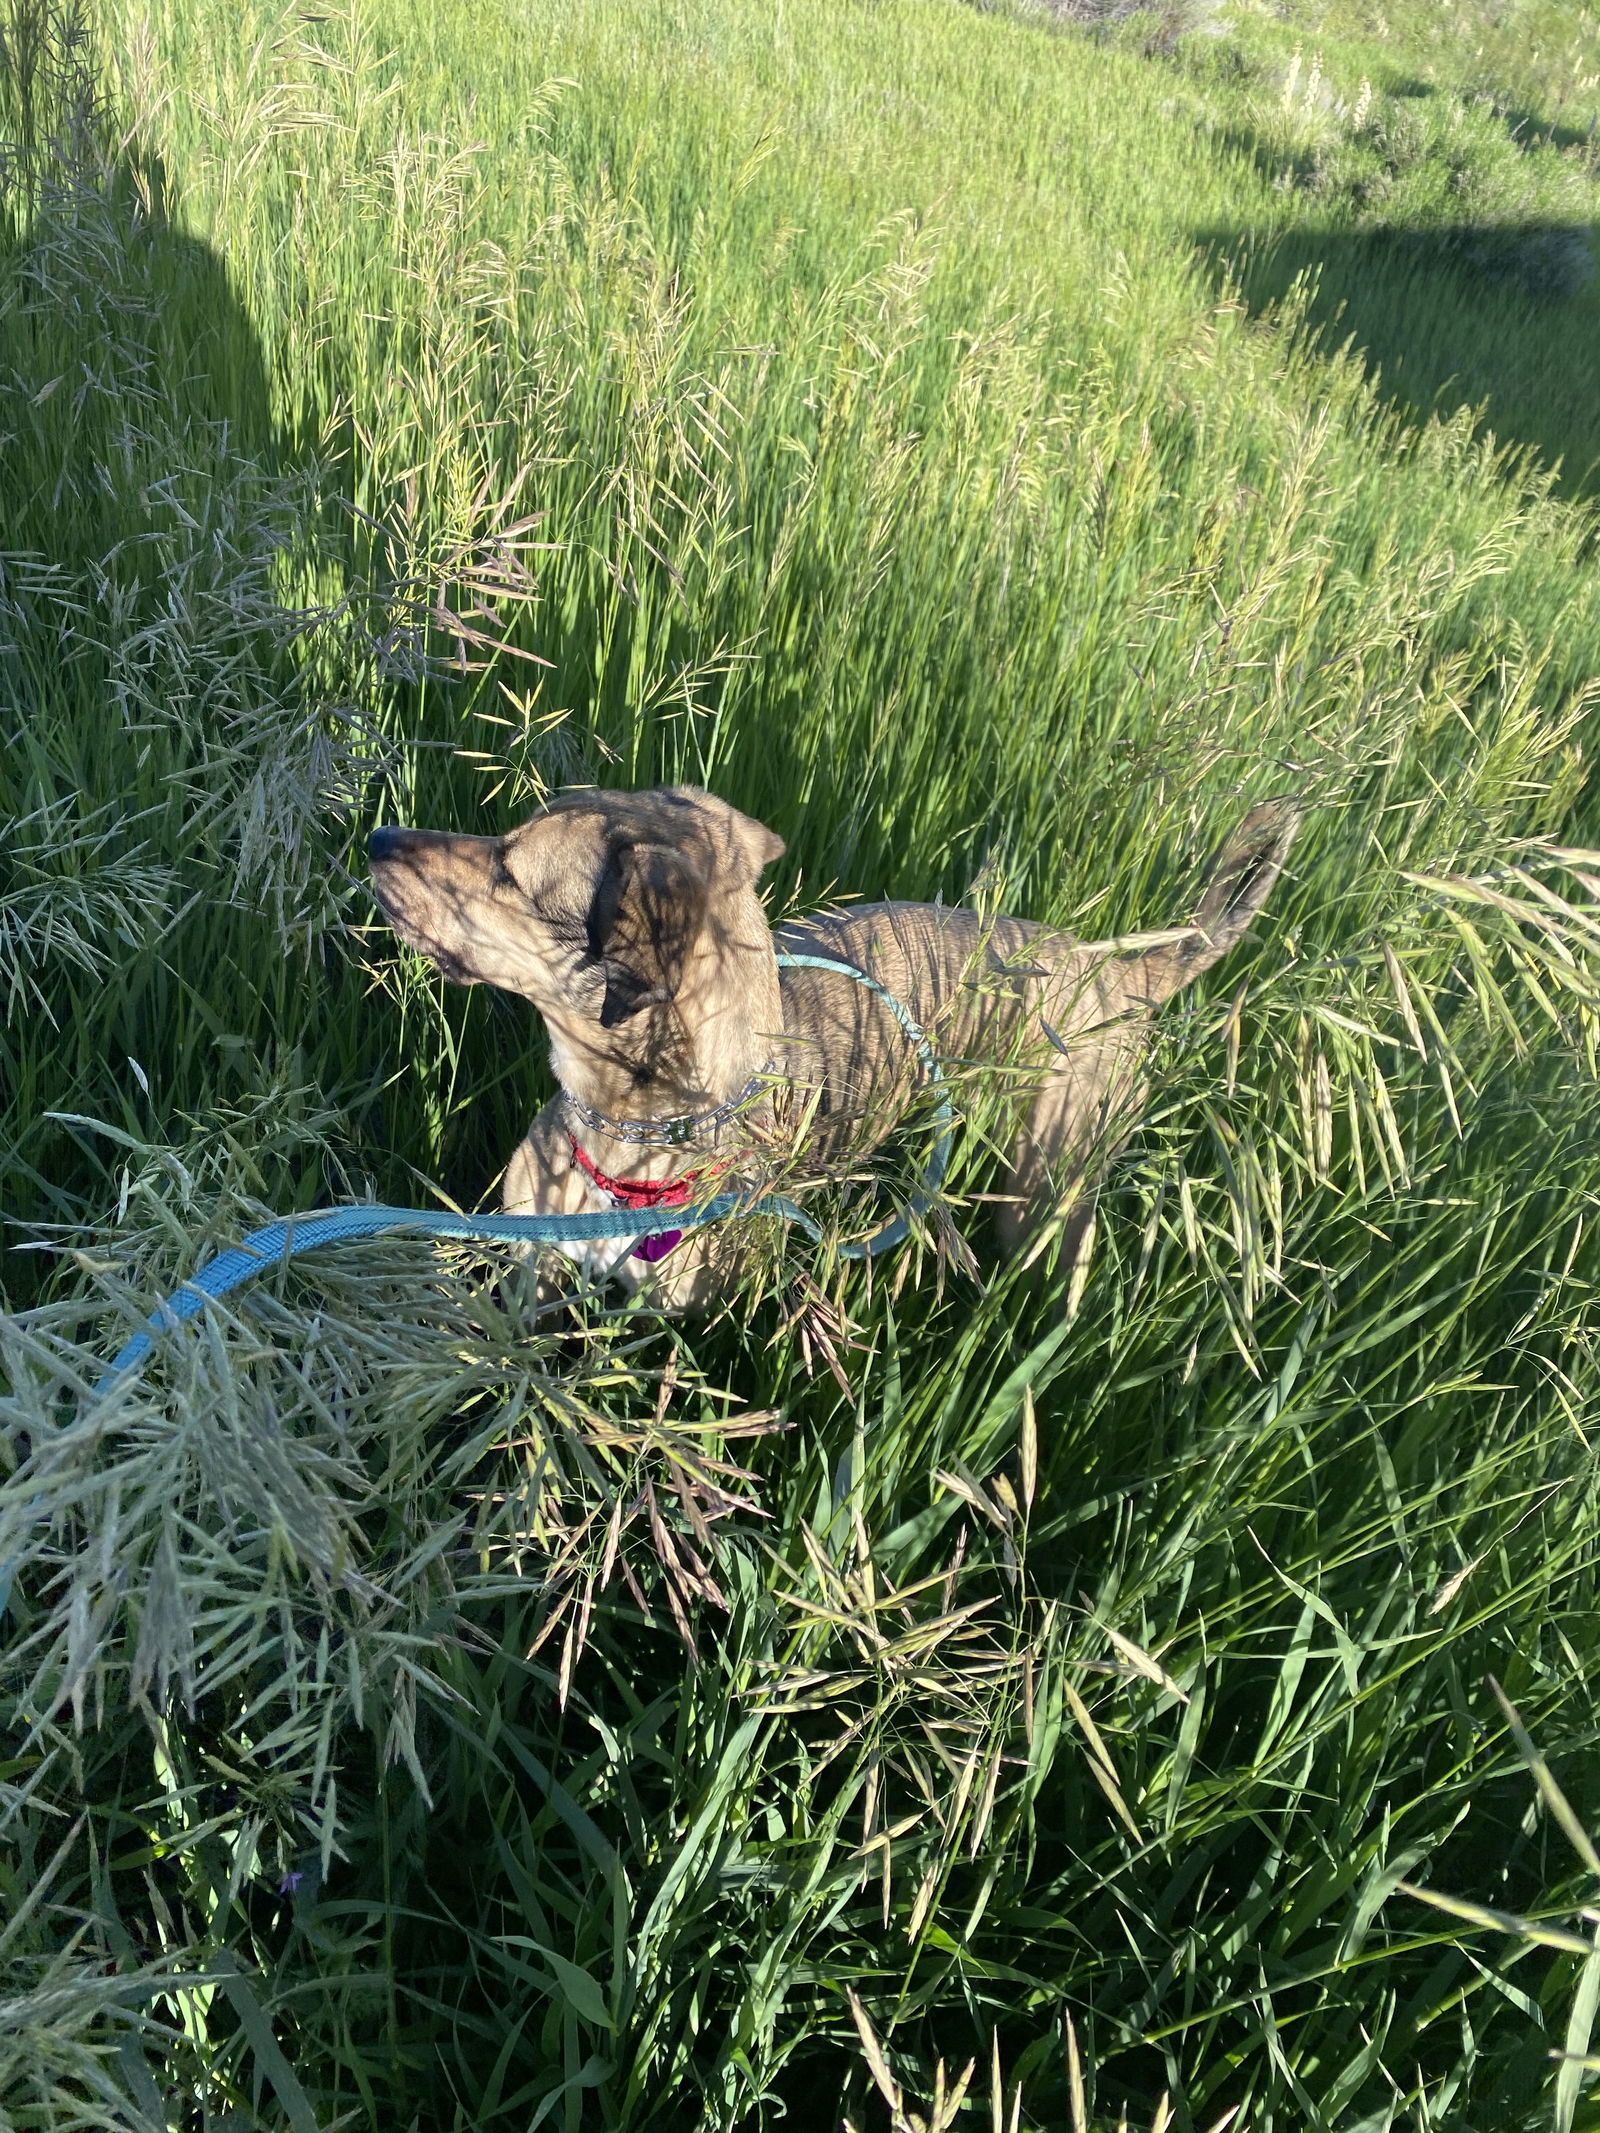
x: 683, y: 1058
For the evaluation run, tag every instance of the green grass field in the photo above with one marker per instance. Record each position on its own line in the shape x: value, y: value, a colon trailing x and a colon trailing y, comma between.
x: 994, y: 451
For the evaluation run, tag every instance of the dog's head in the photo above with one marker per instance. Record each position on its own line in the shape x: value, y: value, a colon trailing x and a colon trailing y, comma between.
x: 595, y: 910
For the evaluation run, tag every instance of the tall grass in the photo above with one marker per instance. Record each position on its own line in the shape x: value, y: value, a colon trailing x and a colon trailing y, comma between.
x: 423, y: 1712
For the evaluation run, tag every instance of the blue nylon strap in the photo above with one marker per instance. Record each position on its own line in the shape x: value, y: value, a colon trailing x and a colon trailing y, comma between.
x: 335, y: 1225
x: 287, y: 1239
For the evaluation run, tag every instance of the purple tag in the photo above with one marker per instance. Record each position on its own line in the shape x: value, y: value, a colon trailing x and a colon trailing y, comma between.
x: 657, y: 1247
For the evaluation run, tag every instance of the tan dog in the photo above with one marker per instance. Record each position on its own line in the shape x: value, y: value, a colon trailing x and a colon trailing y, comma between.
x: 632, y: 922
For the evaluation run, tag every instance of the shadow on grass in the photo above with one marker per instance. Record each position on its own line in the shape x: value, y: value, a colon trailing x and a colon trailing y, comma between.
x: 1531, y: 129
x: 1498, y: 318
x: 127, y: 344
x: 1526, y: 127
x: 134, y: 402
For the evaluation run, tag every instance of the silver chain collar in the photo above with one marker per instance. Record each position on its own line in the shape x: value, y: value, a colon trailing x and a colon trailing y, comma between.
x: 663, y: 1132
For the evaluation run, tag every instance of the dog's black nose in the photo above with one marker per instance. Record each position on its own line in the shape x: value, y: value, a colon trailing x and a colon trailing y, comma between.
x: 386, y: 843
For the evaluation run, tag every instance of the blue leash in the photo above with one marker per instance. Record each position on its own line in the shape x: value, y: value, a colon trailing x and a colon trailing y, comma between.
x: 306, y: 1233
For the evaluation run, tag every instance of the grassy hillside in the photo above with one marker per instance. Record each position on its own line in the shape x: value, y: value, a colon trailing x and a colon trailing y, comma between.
x: 1435, y: 169
x: 905, y: 420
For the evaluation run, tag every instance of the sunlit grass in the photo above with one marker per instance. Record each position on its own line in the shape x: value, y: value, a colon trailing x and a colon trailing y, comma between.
x: 908, y: 1697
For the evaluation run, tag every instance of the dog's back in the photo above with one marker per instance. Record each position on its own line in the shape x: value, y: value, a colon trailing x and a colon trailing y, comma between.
x: 1064, y: 1021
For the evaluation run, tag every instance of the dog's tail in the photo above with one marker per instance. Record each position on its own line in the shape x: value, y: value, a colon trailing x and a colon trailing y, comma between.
x: 1241, y: 881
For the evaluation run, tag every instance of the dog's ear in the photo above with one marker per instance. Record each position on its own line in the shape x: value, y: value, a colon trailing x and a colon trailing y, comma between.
x: 648, y: 906
x: 756, y: 844
x: 752, y: 841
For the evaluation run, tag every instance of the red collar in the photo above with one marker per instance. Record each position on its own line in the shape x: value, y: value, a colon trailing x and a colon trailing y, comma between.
x: 631, y: 1193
